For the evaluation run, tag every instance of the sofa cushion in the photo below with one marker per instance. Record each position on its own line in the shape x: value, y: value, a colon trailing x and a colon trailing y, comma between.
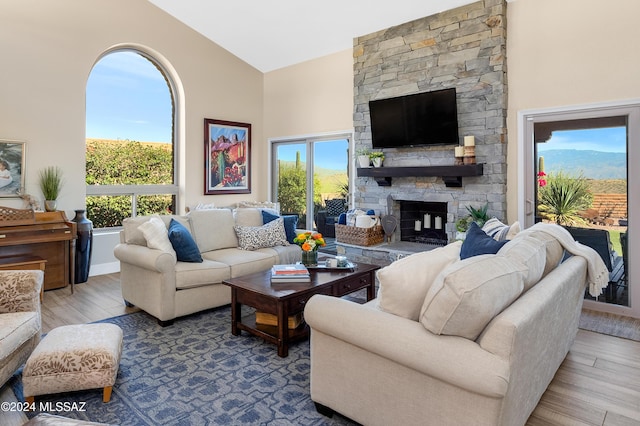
x: 15, y: 329
x: 157, y: 235
x: 248, y: 216
x: 243, y: 262
x: 531, y: 253
x: 290, y: 223
x: 499, y: 231
x: 553, y: 248
x: 213, y: 229
x: 469, y: 293
x: 255, y: 237
x: 132, y: 233
x: 189, y: 274
x: 478, y: 242
x: 182, y: 242
x: 404, y: 283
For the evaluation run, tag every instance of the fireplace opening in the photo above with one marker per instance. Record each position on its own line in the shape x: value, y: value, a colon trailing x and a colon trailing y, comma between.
x: 423, y: 222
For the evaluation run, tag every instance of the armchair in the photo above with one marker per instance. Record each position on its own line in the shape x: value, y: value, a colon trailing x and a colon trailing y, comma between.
x: 20, y: 320
x: 328, y: 217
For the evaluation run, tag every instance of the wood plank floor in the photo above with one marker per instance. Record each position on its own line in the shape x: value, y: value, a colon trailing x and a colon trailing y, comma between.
x: 598, y: 383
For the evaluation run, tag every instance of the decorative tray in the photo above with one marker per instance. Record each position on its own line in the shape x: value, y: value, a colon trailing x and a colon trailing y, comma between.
x: 321, y: 266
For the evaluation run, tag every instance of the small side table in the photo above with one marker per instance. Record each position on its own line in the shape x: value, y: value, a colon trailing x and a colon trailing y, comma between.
x: 27, y: 262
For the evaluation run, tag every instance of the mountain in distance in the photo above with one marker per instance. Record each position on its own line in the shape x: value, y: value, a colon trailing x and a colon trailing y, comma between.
x: 592, y: 164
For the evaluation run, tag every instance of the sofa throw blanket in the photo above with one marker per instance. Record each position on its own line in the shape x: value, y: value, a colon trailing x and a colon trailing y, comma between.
x: 597, y: 272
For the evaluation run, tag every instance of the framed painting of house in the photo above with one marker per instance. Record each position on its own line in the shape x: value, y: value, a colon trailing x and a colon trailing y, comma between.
x: 227, y: 152
x: 12, y: 160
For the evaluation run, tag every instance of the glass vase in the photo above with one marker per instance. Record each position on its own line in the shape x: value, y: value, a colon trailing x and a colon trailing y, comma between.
x: 310, y: 258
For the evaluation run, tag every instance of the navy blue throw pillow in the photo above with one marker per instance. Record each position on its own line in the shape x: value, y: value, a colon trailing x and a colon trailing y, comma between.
x: 478, y: 242
x: 290, y: 223
x: 186, y: 248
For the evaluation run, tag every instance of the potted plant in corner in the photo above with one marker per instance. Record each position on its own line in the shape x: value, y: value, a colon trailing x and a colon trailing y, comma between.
x: 362, y: 155
x: 377, y: 157
x: 50, y: 185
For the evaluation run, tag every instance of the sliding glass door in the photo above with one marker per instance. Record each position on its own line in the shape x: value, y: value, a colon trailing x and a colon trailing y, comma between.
x: 308, y: 174
x: 576, y: 175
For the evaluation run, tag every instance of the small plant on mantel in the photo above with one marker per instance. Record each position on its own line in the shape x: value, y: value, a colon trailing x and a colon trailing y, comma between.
x: 362, y: 155
x: 376, y: 157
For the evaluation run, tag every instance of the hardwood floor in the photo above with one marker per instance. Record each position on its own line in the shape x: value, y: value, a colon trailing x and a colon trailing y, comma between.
x: 598, y: 383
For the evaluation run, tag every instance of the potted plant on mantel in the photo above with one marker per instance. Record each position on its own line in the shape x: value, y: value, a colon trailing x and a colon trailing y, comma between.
x: 377, y: 157
x: 362, y: 156
x: 50, y: 185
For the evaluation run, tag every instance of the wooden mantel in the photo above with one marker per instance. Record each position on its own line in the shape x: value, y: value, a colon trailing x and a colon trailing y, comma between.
x: 451, y: 175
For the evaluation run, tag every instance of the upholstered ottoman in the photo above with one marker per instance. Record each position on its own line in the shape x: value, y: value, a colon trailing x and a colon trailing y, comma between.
x: 72, y: 358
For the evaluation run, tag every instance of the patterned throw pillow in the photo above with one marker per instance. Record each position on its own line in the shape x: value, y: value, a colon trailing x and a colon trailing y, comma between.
x: 335, y: 206
x: 290, y: 223
x: 499, y: 231
x: 255, y: 237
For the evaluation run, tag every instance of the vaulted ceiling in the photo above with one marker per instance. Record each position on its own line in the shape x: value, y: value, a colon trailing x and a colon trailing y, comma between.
x: 271, y: 34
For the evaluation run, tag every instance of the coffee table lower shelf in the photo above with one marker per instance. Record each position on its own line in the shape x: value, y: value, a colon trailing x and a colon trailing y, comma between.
x: 269, y: 333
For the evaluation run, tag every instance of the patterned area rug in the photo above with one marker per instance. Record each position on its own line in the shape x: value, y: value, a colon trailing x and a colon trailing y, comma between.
x: 611, y: 324
x: 196, y: 372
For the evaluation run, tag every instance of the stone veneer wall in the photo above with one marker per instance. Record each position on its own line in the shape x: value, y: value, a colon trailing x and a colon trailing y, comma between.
x: 463, y: 48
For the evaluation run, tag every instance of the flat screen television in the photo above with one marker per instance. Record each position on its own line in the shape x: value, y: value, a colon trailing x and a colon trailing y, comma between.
x: 428, y: 118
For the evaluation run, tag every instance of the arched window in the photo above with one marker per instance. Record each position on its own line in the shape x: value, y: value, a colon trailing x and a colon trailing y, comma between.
x: 130, y: 154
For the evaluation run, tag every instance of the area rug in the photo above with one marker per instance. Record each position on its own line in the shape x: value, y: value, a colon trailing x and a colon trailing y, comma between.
x: 196, y: 372
x: 611, y: 324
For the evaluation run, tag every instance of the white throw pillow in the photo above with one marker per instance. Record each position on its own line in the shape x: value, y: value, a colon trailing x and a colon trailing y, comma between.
x: 268, y: 235
x: 155, y: 232
x: 529, y: 251
x: 404, y: 283
x: 468, y: 294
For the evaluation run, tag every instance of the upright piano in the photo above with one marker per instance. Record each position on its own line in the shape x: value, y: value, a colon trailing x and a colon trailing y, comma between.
x: 48, y: 235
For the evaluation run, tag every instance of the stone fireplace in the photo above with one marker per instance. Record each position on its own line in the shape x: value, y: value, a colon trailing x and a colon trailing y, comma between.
x: 463, y: 48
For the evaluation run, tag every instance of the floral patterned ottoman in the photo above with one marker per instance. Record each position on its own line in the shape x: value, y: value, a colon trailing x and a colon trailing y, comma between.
x: 74, y: 357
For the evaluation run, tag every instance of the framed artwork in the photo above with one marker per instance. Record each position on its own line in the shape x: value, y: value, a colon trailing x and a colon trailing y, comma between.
x: 227, y: 153
x: 12, y: 160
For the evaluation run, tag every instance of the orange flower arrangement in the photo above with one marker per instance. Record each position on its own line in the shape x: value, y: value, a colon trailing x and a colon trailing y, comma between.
x: 310, y: 241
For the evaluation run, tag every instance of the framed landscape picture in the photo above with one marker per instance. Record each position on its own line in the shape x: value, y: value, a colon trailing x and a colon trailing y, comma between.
x: 12, y: 160
x: 227, y: 152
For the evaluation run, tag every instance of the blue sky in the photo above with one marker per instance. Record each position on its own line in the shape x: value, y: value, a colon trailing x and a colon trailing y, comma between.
x: 128, y: 98
x: 328, y: 154
x: 613, y: 139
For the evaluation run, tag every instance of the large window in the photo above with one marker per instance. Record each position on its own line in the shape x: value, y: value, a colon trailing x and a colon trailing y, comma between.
x: 130, y: 161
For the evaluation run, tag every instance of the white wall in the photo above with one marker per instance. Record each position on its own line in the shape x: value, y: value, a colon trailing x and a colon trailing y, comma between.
x: 48, y: 49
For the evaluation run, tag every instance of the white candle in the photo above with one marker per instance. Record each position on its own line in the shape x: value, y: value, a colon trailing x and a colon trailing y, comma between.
x: 427, y: 221
x: 418, y: 225
x: 459, y: 151
x: 469, y: 141
x: 438, y: 222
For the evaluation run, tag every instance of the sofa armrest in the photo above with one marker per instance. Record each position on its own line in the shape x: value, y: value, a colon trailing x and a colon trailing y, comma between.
x: 451, y: 359
x: 145, y: 257
x: 20, y: 291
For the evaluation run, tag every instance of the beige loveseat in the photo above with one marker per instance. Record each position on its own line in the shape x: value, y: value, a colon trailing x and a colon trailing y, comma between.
x: 20, y: 320
x: 153, y: 280
x: 471, y: 357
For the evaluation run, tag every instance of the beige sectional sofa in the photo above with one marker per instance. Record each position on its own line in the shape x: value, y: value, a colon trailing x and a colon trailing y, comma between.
x: 477, y: 342
x: 153, y: 280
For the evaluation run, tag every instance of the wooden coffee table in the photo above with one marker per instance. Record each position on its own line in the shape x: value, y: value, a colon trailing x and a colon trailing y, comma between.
x: 283, y: 300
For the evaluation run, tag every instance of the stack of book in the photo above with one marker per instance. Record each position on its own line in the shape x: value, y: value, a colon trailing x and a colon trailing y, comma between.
x: 290, y: 273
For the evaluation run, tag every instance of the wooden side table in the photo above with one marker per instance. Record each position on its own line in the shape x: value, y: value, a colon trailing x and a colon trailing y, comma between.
x: 27, y: 262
